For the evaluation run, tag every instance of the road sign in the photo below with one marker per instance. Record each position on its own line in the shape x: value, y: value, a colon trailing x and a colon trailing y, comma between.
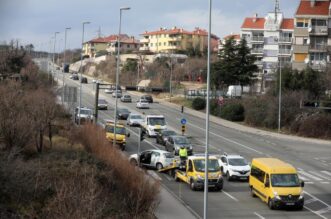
x: 183, y: 121
x: 220, y: 100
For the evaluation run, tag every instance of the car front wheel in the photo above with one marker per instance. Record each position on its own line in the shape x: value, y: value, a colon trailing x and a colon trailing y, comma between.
x: 159, y: 166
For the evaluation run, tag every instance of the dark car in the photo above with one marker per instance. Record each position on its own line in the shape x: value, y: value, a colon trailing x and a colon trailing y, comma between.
x: 149, y: 98
x: 84, y: 80
x: 162, y: 136
x: 122, y: 113
x: 74, y: 77
x: 175, y: 142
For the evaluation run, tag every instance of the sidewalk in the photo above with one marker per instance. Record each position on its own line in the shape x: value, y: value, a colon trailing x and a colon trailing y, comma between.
x: 170, y: 207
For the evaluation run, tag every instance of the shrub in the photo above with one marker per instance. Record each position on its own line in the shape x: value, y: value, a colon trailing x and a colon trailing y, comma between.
x: 233, y: 112
x: 199, y: 103
x: 316, y: 125
x: 255, y: 111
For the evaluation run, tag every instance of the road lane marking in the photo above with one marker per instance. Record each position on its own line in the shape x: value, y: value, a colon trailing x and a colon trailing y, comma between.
x: 309, y: 175
x: 326, y: 172
x: 154, y: 175
x: 259, y: 216
x: 325, y: 182
x: 316, y: 199
x: 324, y: 210
x: 320, y: 175
x: 230, y: 196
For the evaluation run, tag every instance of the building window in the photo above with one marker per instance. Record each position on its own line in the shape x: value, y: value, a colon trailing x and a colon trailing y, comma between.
x: 151, y: 45
x: 302, y: 23
x: 159, y: 43
x: 128, y: 46
x: 164, y: 44
x: 317, y: 56
x: 317, y: 22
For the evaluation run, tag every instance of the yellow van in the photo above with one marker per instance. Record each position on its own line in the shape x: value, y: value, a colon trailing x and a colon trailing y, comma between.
x: 276, y: 183
x: 120, y: 133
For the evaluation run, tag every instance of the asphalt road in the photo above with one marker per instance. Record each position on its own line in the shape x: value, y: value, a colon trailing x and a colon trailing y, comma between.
x: 312, y: 159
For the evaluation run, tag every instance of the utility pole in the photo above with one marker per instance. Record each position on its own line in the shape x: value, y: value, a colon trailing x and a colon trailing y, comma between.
x: 64, y: 61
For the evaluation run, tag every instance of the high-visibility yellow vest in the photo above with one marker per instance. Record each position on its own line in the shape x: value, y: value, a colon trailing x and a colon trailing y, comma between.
x: 183, y: 152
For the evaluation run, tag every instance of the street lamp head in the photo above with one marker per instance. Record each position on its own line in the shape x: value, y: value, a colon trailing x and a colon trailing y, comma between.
x: 125, y: 8
x: 86, y: 22
x: 57, y: 32
x: 68, y: 28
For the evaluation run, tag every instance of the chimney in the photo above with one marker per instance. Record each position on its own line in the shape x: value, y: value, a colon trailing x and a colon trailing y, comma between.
x: 161, y: 28
x: 312, y: 3
x: 255, y: 17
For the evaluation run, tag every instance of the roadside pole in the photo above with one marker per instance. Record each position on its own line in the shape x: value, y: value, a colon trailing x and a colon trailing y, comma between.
x: 96, y: 103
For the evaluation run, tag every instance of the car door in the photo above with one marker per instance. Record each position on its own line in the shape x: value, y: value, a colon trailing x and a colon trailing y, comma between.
x: 224, y: 165
x: 155, y: 158
x: 190, y: 171
x: 170, y: 143
x: 145, y: 158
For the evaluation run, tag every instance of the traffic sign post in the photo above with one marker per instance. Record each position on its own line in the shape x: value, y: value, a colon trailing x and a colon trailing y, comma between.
x: 183, y: 121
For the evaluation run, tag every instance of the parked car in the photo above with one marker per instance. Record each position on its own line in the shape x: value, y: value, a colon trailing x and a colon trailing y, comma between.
x: 102, y: 104
x: 162, y: 136
x: 117, y: 93
x: 157, y: 159
x: 174, y: 143
x: 234, y: 167
x: 126, y: 98
x: 142, y: 104
x: 135, y: 120
x: 84, y: 80
x: 149, y: 98
x: 122, y: 113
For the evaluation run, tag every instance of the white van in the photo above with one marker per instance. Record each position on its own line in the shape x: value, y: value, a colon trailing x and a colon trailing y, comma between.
x: 234, y: 91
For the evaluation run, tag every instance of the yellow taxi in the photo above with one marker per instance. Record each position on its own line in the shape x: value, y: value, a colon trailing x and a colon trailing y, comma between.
x: 121, y: 133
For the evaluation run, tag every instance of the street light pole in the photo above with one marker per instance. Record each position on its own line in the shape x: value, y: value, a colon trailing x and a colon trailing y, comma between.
x: 64, y: 61
x: 280, y: 95
x: 170, y: 85
x: 117, y: 70
x: 54, y: 54
x: 81, y: 74
x: 205, y: 197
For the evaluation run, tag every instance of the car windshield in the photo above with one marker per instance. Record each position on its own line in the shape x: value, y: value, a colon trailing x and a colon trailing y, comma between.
x: 123, y: 111
x: 85, y: 112
x: 285, y: 180
x: 102, y: 101
x: 119, y: 130
x: 127, y: 96
x: 181, y: 140
x: 136, y: 117
x: 237, y: 162
x: 168, y: 155
x: 143, y: 101
x: 156, y: 121
x: 168, y: 133
x: 213, y: 165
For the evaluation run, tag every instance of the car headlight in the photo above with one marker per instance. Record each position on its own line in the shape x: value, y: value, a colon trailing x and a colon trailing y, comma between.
x: 276, y: 196
x: 301, y: 196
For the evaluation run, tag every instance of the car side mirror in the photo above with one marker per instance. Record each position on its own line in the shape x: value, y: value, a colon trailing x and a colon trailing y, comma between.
x: 267, y: 184
x: 302, y: 184
x: 128, y: 134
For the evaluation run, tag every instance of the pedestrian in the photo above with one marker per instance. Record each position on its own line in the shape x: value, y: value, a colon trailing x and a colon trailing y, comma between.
x: 182, y: 154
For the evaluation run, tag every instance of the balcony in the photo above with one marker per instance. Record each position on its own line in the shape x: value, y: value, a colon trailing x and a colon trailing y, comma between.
x: 301, y: 31
x: 283, y: 40
x: 300, y: 48
x: 257, y: 51
x: 144, y: 40
x: 319, y: 30
x: 318, y: 65
x: 175, y: 39
x: 318, y: 48
x: 285, y: 52
x: 257, y: 39
x: 299, y: 65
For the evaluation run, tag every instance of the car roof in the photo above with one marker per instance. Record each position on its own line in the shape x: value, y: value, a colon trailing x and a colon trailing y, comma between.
x: 157, y: 150
x: 233, y: 156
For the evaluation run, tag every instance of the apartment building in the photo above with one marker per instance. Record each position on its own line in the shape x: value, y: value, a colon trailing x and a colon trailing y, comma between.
x: 270, y: 40
x: 176, y: 39
x: 109, y: 45
x: 221, y: 42
x: 312, y: 35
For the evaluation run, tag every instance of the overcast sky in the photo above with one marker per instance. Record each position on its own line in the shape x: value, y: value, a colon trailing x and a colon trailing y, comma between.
x: 35, y: 21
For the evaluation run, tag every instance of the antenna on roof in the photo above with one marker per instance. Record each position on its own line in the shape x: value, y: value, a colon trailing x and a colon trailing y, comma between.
x: 99, y: 32
x: 277, y: 10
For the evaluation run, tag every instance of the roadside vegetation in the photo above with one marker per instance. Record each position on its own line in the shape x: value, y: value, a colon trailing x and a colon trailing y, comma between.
x: 50, y: 168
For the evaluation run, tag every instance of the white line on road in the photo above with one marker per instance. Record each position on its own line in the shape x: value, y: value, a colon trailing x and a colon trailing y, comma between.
x: 320, y: 175
x: 259, y: 216
x: 326, y: 172
x: 309, y: 175
x: 316, y: 212
x: 233, y: 198
x: 229, y: 140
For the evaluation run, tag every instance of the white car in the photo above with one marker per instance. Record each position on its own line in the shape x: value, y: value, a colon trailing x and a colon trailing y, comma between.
x: 234, y: 167
x: 157, y: 159
x: 117, y: 93
x: 142, y: 104
x: 135, y: 120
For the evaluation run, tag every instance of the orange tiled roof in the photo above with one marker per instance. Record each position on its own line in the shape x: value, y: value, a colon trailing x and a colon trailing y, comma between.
x: 197, y: 31
x: 249, y: 23
x: 109, y: 39
x: 288, y: 23
x: 320, y: 8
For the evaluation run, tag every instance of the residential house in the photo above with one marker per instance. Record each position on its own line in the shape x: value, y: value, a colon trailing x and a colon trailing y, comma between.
x: 312, y: 35
x: 176, y: 39
x: 221, y: 42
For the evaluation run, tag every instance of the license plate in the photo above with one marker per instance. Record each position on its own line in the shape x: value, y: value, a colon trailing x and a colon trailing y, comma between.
x: 290, y: 203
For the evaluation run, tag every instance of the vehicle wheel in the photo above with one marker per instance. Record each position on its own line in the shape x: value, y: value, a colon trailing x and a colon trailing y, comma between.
x: 271, y: 204
x: 133, y: 162
x: 192, y: 185
x: 219, y: 188
x: 228, y: 177
x: 159, y: 166
x: 252, y: 192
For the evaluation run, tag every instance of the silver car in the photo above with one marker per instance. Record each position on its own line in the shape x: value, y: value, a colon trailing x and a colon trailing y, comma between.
x: 157, y: 159
x: 135, y: 120
x: 175, y: 142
